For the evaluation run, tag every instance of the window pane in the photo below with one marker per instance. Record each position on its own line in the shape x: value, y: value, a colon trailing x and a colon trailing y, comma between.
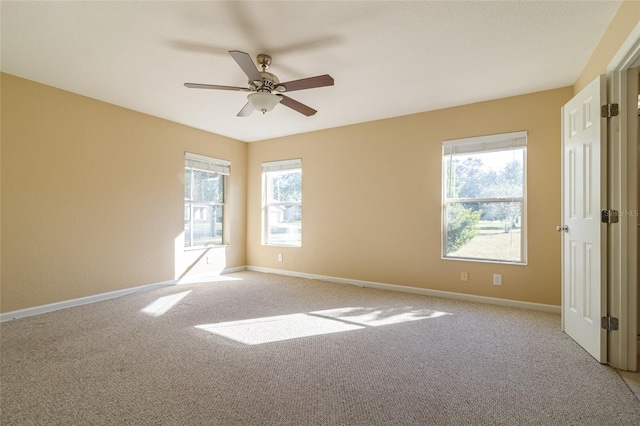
x: 206, y: 222
x: 494, y: 174
x: 208, y: 186
x: 490, y: 231
x: 284, y: 186
x: 215, y: 188
x: 284, y: 225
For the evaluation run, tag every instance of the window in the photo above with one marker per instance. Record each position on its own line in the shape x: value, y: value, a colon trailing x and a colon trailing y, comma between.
x: 282, y: 203
x: 484, y: 198
x: 204, y: 198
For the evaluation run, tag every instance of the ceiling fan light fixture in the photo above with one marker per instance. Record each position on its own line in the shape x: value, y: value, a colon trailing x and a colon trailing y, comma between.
x: 263, y: 101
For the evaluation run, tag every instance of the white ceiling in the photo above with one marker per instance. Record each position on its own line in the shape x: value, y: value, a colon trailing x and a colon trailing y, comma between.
x: 387, y: 58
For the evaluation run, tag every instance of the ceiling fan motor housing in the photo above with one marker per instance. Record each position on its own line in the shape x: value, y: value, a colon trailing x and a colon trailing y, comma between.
x: 264, y: 61
x: 268, y: 83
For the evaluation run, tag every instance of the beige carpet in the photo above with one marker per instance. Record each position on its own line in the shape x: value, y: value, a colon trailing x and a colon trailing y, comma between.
x: 260, y: 349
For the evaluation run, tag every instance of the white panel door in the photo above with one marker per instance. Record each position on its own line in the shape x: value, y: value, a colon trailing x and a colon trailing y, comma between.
x: 584, y: 292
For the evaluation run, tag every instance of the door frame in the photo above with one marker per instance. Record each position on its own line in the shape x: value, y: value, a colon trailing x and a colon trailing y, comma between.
x: 622, y: 88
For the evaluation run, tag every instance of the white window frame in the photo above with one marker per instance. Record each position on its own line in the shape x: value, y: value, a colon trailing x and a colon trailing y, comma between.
x: 277, y: 166
x: 211, y: 165
x: 485, y: 144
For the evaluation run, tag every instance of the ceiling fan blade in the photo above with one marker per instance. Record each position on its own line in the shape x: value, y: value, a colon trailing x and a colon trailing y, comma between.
x: 308, y: 83
x: 216, y: 87
x: 246, y: 110
x: 297, y: 106
x: 247, y: 65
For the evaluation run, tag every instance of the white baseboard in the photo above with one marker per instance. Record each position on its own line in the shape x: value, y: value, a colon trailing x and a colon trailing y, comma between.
x: 191, y: 279
x: 423, y: 291
x: 236, y: 269
x: 37, y: 310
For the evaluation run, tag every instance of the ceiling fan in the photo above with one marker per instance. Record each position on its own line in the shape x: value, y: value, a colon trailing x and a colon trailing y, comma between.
x: 263, y: 84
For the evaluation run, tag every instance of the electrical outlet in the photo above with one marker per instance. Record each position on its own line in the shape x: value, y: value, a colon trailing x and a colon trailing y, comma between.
x: 464, y: 276
x: 497, y: 279
x: 279, y: 257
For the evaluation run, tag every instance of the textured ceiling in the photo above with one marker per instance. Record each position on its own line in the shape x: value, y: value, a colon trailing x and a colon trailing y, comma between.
x: 387, y: 58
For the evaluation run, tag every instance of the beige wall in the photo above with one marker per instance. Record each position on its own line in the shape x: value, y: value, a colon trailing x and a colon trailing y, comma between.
x: 92, y: 196
x: 372, y: 199
x: 625, y: 19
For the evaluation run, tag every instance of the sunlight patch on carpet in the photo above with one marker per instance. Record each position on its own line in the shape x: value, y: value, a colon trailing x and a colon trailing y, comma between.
x: 277, y: 328
x: 375, y: 317
x: 286, y: 327
x: 164, y: 304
